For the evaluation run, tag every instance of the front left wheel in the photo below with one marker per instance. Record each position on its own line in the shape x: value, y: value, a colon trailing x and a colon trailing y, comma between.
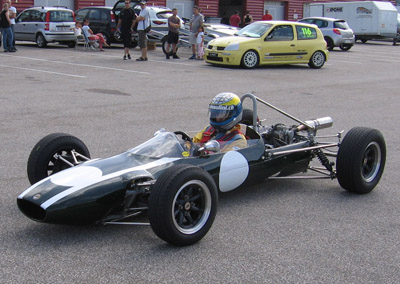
x: 317, y: 60
x: 250, y: 59
x: 183, y: 205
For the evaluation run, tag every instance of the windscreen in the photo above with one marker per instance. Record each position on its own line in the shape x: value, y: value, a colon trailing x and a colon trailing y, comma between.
x: 61, y: 16
x: 341, y: 25
x: 164, y: 144
x: 255, y: 30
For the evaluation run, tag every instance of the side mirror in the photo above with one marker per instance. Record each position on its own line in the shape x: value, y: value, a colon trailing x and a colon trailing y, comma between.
x: 211, y: 146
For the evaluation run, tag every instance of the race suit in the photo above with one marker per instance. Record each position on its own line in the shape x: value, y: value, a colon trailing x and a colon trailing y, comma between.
x: 229, y: 140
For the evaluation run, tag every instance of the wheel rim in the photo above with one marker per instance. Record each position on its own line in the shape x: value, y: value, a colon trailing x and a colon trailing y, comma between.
x: 318, y: 59
x: 250, y: 59
x: 371, y: 162
x: 40, y: 40
x: 56, y: 165
x: 191, y: 207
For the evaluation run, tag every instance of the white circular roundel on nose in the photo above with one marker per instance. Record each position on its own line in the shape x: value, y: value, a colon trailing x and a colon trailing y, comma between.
x: 77, y: 176
x: 233, y: 172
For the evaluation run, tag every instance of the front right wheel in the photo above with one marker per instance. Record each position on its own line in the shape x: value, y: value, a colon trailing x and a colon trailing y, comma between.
x: 183, y: 204
x: 361, y: 160
x: 317, y: 60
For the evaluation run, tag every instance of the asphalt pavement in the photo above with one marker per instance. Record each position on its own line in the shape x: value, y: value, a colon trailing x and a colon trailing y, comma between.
x: 307, y: 231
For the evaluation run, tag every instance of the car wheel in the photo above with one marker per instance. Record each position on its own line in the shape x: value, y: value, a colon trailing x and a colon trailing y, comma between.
x: 361, y: 160
x: 250, y: 59
x: 329, y: 43
x: 71, y: 44
x: 47, y: 156
x: 345, y: 47
x: 183, y: 205
x: 107, y: 39
x: 363, y: 40
x: 317, y: 60
x: 41, y: 41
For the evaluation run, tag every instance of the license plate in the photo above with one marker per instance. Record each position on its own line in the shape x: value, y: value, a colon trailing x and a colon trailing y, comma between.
x: 62, y: 29
x: 347, y: 41
x: 213, y: 54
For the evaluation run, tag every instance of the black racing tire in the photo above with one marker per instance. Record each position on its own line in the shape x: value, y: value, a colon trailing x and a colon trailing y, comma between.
x: 361, y: 160
x: 317, y: 60
x: 250, y: 59
x: 183, y: 205
x: 71, y: 44
x: 41, y: 41
x: 41, y: 162
x: 329, y: 43
x: 345, y: 47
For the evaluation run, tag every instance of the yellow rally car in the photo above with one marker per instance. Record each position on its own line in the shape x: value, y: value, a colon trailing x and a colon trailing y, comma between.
x: 270, y: 42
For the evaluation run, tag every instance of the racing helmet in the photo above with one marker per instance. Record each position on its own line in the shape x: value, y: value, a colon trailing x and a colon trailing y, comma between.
x: 225, y: 111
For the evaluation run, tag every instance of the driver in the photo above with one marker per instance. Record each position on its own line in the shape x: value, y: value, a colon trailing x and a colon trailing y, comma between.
x: 225, y: 111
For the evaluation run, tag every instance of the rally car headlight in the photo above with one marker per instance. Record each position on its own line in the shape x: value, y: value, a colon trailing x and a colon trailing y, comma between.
x: 210, y: 43
x: 232, y: 46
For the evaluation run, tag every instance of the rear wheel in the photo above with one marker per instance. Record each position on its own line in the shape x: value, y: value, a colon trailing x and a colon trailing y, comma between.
x: 250, y: 59
x: 50, y: 153
x: 41, y: 41
x: 361, y: 160
x: 317, y: 60
x: 164, y: 44
x: 183, y: 205
x: 329, y: 43
x: 345, y: 47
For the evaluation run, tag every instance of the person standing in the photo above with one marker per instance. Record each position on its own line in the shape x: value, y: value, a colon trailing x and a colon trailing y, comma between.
x: 200, y: 43
x: 173, y: 34
x: 143, y: 23
x: 126, y: 22
x: 195, y: 23
x: 247, y: 19
x: 12, y: 13
x: 235, y: 20
x: 5, y: 25
x: 267, y: 16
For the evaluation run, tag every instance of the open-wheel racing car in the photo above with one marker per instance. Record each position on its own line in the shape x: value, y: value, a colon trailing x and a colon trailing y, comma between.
x: 177, y: 182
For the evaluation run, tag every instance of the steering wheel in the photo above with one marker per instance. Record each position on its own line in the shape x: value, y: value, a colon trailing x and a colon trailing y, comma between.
x: 184, y: 136
x: 192, y: 148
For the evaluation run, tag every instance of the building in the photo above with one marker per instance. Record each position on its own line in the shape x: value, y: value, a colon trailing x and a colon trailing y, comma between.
x: 214, y: 10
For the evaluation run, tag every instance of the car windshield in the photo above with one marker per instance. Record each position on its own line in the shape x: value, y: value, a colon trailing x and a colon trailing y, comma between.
x: 61, y: 16
x: 163, y: 144
x: 255, y: 30
x: 341, y: 25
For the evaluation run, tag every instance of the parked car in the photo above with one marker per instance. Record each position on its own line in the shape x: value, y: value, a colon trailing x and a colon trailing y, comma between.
x: 177, y: 182
x: 270, y: 42
x: 337, y: 33
x: 46, y: 24
x: 101, y: 20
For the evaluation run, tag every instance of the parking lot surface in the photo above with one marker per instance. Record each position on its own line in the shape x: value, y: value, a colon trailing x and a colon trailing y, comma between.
x: 294, y: 231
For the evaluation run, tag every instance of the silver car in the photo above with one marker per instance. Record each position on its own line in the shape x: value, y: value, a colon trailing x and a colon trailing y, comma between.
x: 46, y: 24
x: 337, y: 33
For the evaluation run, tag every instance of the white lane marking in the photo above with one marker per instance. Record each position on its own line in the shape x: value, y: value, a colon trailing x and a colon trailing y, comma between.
x: 43, y: 71
x: 74, y: 189
x: 79, y: 64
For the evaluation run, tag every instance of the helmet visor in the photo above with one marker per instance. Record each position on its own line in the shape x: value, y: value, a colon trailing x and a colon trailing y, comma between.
x: 220, y: 113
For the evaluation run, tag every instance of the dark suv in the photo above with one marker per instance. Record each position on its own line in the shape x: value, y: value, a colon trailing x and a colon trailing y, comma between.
x: 101, y: 20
